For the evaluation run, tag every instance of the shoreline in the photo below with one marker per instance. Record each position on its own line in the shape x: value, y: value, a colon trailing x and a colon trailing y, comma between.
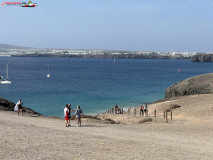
x: 133, y: 117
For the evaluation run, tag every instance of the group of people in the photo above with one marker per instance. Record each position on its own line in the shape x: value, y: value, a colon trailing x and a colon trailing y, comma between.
x: 144, y: 110
x: 67, y: 115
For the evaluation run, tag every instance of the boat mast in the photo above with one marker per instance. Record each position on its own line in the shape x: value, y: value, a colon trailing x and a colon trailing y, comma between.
x: 7, y: 70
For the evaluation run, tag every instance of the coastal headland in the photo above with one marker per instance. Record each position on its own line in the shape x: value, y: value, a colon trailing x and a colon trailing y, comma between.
x: 187, y: 136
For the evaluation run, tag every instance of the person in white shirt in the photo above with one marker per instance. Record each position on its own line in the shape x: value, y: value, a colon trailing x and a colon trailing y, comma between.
x: 18, y: 107
x: 145, y: 110
x: 66, y: 115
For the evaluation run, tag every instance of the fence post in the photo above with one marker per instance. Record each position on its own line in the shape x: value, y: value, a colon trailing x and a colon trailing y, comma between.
x: 171, y: 115
x: 134, y: 111
x: 164, y: 114
x: 122, y: 111
x: 155, y: 113
x: 128, y: 111
x: 166, y: 118
x: 112, y: 110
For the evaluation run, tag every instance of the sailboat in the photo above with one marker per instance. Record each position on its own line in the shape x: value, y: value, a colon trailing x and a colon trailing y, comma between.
x: 6, y: 81
x: 48, y: 74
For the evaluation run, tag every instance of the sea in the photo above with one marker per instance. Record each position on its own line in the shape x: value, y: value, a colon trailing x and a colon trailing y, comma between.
x: 94, y: 84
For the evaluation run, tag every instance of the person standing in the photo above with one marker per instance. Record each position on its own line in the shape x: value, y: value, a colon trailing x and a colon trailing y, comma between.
x: 18, y: 107
x: 78, y: 114
x: 66, y: 115
x: 141, y: 109
x: 69, y: 114
x: 116, y: 109
x: 145, y: 110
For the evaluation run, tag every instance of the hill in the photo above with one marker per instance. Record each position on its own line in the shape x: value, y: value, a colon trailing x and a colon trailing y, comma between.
x: 7, y: 46
x: 202, y: 84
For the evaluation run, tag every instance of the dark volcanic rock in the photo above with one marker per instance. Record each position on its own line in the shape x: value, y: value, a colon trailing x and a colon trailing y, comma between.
x: 202, y: 84
x: 7, y: 105
x: 202, y: 58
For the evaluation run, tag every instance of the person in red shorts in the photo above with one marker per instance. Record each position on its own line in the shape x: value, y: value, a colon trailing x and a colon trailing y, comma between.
x: 66, y: 115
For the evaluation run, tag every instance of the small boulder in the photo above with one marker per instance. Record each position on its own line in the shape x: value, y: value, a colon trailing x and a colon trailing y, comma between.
x: 174, y: 106
x: 145, y: 120
x: 167, y: 110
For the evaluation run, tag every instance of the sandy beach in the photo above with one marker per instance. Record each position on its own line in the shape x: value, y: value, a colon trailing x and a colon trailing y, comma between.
x: 188, y: 136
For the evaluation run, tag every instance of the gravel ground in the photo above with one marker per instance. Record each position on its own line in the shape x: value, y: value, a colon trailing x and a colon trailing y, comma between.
x: 186, y: 137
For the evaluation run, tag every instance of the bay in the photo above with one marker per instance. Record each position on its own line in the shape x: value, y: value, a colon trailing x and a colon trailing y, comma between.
x: 94, y: 84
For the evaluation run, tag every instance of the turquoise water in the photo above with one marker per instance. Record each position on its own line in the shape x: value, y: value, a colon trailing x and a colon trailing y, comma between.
x: 94, y: 84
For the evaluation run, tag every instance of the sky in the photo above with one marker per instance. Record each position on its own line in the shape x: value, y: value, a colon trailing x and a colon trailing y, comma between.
x: 137, y: 25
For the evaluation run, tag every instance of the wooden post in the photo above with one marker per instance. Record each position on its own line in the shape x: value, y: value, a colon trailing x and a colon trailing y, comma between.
x: 171, y: 115
x: 122, y: 111
x: 155, y: 113
x: 134, y: 111
x: 108, y: 111
x: 128, y: 111
x: 166, y: 118
x: 164, y: 114
x: 112, y: 110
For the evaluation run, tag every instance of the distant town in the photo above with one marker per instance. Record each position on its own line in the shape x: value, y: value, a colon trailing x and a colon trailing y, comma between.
x: 10, y: 50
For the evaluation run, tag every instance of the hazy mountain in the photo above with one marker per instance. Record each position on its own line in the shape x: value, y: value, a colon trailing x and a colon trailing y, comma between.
x: 6, y: 46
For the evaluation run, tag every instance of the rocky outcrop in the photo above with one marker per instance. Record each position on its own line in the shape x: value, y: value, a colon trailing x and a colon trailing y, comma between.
x: 202, y: 58
x: 202, y: 84
x: 7, y: 105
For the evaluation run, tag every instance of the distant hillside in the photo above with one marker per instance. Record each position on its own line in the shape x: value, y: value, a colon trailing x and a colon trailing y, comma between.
x: 6, y: 46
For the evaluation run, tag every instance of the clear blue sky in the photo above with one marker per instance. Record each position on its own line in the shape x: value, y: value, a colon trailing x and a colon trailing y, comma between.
x: 146, y: 25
